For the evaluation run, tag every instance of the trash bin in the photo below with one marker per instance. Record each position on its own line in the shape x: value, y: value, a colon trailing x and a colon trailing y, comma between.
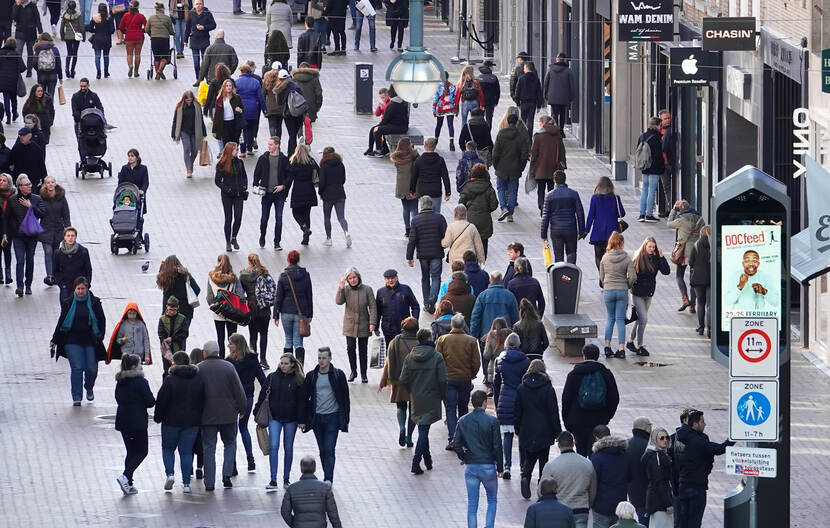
x: 363, y: 88
x: 564, y: 285
x: 736, y: 507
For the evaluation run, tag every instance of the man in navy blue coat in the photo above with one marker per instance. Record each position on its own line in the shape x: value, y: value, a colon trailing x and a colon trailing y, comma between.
x: 548, y: 512
x: 395, y: 302
x: 564, y: 216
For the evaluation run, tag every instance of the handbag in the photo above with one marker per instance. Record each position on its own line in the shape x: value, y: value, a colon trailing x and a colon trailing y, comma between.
x: 30, y: 226
x: 622, y: 225
x: 61, y: 95
x: 192, y: 297
x: 305, y: 323
x: 678, y: 253
x: 204, y: 153
x: 263, y: 439
x: 21, y: 86
x: 378, y: 347
x: 633, y: 317
x: 263, y: 414
x: 309, y: 135
x: 231, y: 307
x: 447, y: 256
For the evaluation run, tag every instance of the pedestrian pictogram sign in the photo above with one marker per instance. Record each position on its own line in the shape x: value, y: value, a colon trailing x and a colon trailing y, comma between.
x: 753, y: 350
x: 753, y: 410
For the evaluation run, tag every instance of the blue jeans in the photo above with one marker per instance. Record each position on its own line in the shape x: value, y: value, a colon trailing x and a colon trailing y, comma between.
x: 466, y: 107
x: 422, y: 445
x: 456, y: 404
x: 436, y: 204
x: 410, y: 209
x: 321, y: 28
x: 85, y: 10
x: 600, y: 520
x: 648, y: 193
x: 508, y: 191
x: 354, y: 12
x: 197, y: 59
x: 249, y: 134
x: 278, y: 203
x: 616, y: 302
x: 326, y: 428
x: 24, y: 259
x: 243, y: 427
x: 359, y: 29
x: 291, y: 327
x: 289, y: 430
x: 98, y: 53
x: 476, y: 475
x: 48, y: 256
x: 83, y: 368
x: 181, y: 438
x: 692, y: 507
x: 179, y: 25
x: 430, y: 278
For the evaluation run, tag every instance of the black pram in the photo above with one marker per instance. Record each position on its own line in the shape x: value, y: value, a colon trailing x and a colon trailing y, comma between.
x: 128, y: 220
x: 92, y: 144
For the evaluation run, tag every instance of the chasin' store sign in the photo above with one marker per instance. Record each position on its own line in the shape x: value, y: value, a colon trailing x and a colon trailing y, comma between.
x: 645, y: 20
x: 729, y: 33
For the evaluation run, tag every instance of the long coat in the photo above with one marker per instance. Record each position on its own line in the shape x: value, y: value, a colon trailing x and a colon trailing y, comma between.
x: 56, y: 216
x: 301, y: 181
x: 11, y: 65
x: 398, y: 349
x: 480, y: 199
x: 424, y: 375
x: 536, y: 412
x: 510, y: 367
x: 361, y: 310
x: 60, y: 339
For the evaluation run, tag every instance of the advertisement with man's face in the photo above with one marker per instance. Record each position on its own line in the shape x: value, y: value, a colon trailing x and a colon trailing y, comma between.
x: 751, y: 271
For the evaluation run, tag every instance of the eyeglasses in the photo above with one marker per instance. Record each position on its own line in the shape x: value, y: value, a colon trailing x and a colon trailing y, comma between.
x: 662, y: 437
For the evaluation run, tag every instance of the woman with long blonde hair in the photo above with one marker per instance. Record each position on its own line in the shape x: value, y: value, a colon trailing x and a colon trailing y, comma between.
x: 248, y: 369
x: 513, y: 110
x: 227, y: 114
x: 469, y: 94
x: 282, y: 392
x: 254, y: 274
x: 302, y: 172
x: 222, y: 276
x: 648, y: 261
x: 617, y: 275
x: 232, y: 179
x: 189, y: 128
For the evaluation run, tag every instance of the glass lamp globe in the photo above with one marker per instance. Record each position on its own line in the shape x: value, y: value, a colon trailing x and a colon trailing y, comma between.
x: 415, y: 81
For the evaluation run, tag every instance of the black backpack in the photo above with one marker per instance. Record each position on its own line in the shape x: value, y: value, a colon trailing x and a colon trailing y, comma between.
x: 469, y: 91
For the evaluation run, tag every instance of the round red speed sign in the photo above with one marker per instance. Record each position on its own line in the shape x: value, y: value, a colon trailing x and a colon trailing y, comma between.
x: 759, y: 346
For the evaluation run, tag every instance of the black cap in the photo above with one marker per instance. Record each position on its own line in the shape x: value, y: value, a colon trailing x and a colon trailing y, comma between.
x: 523, y: 55
x: 388, y: 274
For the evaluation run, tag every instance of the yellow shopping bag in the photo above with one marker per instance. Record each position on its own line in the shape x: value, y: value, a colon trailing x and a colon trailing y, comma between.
x: 546, y: 253
x: 202, y: 95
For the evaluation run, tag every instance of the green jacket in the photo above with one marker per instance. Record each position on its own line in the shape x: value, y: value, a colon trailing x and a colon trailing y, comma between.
x: 480, y: 198
x: 510, y: 153
x: 309, y: 81
x: 424, y: 376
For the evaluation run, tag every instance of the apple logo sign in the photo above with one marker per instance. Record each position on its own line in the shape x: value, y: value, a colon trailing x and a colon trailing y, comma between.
x: 689, y: 66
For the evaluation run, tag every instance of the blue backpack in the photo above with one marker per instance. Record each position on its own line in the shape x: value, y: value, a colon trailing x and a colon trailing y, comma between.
x: 592, y: 391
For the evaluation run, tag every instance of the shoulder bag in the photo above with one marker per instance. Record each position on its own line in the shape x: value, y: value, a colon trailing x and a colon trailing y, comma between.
x: 263, y: 414
x: 622, y: 225
x: 305, y: 323
x: 449, y: 248
x: 678, y: 253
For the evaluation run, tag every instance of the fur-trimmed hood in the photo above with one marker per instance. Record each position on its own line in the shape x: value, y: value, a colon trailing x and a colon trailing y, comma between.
x: 304, y: 74
x: 56, y: 195
x: 137, y: 372
x: 610, y: 442
x: 219, y: 278
x: 332, y: 156
x: 184, y: 371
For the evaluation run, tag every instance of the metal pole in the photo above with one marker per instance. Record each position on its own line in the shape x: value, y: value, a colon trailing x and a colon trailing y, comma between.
x: 458, y: 59
x: 416, y: 19
x: 753, y: 505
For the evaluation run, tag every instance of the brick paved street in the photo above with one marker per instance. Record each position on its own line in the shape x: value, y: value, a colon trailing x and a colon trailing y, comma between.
x: 59, y: 463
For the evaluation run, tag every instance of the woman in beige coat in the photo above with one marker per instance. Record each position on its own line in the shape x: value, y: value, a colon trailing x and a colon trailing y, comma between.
x: 462, y: 236
x: 359, y: 319
x: 399, y: 347
x: 688, y: 223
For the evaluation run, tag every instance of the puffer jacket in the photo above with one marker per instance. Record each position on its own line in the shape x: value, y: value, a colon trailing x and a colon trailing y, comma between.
x: 180, y: 399
x: 536, y: 412
x: 309, y: 81
x: 308, y: 501
x: 361, y: 310
x: 249, y: 89
x: 563, y: 211
x: 70, y: 25
x: 616, y: 270
x: 133, y: 396
x: 425, y: 234
x: 658, y: 468
x: 286, y: 397
x: 611, y: 468
x: 424, y: 376
x: 480, y: 199
x: 55, y: 217
x: 11, y: 65
x: 428, y: 172
x: 461, y: 355
x: 511, y: 366
x: 510, y: 153
x: 688, y: 224
x: 284, y: 300
x: 235, y: 184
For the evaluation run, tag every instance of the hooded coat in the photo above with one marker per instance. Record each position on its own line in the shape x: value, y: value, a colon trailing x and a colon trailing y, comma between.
x: 428, y: 172
x: 11, y: 66
x: 396, y: 354
x: 616, y: 270
x: 480, y: 199
x: 424, y: 376
x: 658, y: 473
x: 332, y: 178
x: 536, y: 412
x: 360, y: 308
x: 403, y: 169
x: 284, y: 300
x: 139, y: 340
x: 180, y: 400
x: 309, y: 81
x: 55, y: 217
x: 560, y: 84
x: 133, y: 396
x: 611, y: 468
x: 529, y: 90
x: 477, y: 278
x: 489, y: 84
x: 458, y: 293
x: 510, y: 153
x: 547, y: 152
x: 511, y: 366
x: 636, y: 468
x: 572, y: 413
x: 61, y: 339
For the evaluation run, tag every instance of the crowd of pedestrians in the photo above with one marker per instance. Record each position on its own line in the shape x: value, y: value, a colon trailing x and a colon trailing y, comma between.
x: 483, y: 324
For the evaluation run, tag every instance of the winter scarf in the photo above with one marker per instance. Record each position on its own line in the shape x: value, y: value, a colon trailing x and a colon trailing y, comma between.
x: 69, y: 320
x: 6, y: 195
x: 66, y: 249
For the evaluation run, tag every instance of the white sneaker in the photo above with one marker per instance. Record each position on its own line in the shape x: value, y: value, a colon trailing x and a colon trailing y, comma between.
x: 327, y: 242
x: 186, y: 488
x: 124, y: 484
x: 348, y: 240
x: 168, y: 484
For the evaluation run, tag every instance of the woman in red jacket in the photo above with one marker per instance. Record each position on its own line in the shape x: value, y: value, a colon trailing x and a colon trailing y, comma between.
x: 132, y: 26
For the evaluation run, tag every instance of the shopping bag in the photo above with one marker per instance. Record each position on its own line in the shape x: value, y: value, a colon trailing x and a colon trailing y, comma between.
x: 309, y: 136
x: 546, y: 253
x: 263, y: 439
x: 201, y: 96
x: 30, y: 226
x: 204, y: 154
x: 530, y: 183
x: 377, y: 346
x: 61, y: 95
x: 192, y: 298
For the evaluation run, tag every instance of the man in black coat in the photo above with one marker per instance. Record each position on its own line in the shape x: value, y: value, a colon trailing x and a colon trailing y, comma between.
x: 5, y: 155
x: 652, y: 173
x: 308, y: 501
x: 428, y: 172
x: 27, y: 158
x: 5, y: 19
x: 638, y: 483
x: 670, y: 157
x: 560, y: 90
x: 218, y: 52
x: 27, y: 27
x: 271, y: 174
x: 428, y: 228
x: 70, y: 262
x: 395, y: 121
x: 81, y: 100
x: 308, y: 46
x: 578, y: 419
x: 529, y: 96
x: 395, y: 302
x: 492, y: 91
x: 517, y: 73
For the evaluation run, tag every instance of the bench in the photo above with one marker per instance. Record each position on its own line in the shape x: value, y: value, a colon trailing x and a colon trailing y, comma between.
x: 570, y: 331
x: 414, y: 135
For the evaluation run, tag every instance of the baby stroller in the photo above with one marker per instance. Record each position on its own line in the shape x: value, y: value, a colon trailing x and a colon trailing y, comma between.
x: 127, y: 220
x: 92, y: 144
x: 170, y: 56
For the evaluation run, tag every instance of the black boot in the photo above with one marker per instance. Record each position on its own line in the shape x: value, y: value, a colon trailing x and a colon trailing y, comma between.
x: 416, y: 467
x: 299, y: 353
x: 452, y: 145
x: 251, y: 464
x: 428, y: 461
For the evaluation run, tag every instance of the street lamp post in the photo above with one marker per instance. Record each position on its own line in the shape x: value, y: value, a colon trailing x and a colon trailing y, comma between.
x: 416, y: 73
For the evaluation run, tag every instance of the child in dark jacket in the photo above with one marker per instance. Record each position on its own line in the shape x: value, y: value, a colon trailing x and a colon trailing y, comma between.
x: 173, y: 330
x: 133, y: 396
